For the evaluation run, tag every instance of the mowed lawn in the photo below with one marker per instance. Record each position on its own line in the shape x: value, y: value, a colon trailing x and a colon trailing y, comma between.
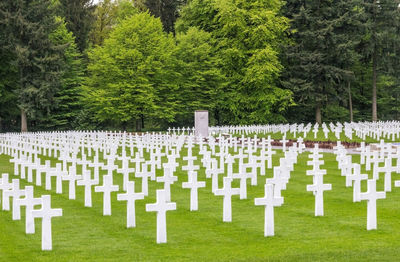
x: 85, y: 234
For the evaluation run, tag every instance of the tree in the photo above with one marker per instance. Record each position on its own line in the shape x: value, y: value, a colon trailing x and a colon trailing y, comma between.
x: 318, y: 63
x: 130, y: 76
x: 109, y: 14
x: 200, y: 78
x: 379, y: 45
x: 166, y: 10
x: 247, y: 36
x: 26, y: 26
x: 67, y: 104
x: 79, y: 17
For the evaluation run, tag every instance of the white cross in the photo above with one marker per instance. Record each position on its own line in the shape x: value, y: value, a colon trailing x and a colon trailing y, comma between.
x: 227, y: 191
x: 16, y: 193
x: 269, y: 201
x: 107, y: 188
x: 46, y: 213
x: 144, y: 174
x: 125, y: 171
x: 161, y: 207
x: 278, y: 181
x: 87, y: 182
x: 230, y: 160
x: 137, y: 160
x: 356, y: 176
x: 283, y: 141
x: 318, y: 189
x: 13, y: 189
x: 29, y: 202
x: 371, y: 196
x: 5, y: 186
x: 243, y: 176
x: 72, y: 177
x: 168, y: 180
x: 194, y: 185
x: 130, y: 196
x: 388, y: 169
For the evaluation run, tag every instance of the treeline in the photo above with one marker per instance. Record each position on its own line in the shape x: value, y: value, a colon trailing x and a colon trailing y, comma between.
x: 148, y: 64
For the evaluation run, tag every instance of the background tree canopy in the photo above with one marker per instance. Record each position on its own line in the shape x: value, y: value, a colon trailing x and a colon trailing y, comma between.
x: 149, y: 64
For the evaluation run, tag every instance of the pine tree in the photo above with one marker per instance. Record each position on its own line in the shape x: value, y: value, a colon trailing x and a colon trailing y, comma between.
x: 67, y: 104
x: 79, y: 17
x: 318, y: 63
x: 380, y: 45
x: 26, y: 26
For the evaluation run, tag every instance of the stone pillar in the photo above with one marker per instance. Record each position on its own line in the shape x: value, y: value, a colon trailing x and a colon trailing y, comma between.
x: 201, y: 123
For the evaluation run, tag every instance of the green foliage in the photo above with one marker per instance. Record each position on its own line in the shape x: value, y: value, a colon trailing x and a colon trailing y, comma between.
x: 200, y: 78
x: 67, y: 104
x: 25, y: 27
x: 319, y: 60
x: 79, y: 17
x: 130, y: 76
x: 247, y: 39
x: 108, y: 14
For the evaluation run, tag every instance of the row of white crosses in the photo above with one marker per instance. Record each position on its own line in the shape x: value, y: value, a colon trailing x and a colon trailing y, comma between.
x: 318, y: 187
x: 25, y: 197
x: 352, y: 172
x: 250, y: 165
x: 376, y: 130
x: 279, y: 181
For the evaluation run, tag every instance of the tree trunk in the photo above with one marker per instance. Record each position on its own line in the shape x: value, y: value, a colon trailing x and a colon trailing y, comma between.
x: 350, y: 103
x: 24, y: 124
x: 318, y: 117
x: 374, y: 76
x: 374, y: 69
x: 142, y: 119
x: 138, y: 125
x: 1, y: 124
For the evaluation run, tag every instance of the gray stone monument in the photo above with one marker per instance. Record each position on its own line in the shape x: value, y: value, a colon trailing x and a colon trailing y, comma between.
x: 201, y: 123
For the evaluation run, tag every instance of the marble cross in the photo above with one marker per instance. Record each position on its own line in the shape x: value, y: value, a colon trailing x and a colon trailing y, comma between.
x: 168, y: 179
x: 357, y: 177
x: 107, y: 188
x: 227, y: 191
x: 194, y: 185
x: 29, y: 202
x: 9, y: 193
x: 145, y: 175
x: 318, y: 189
x: 269, y: 201
x: 72, y: 177
x: 161, y: 207
x: 87, y: 182
x: 4, y: 187
x: 130, y: 196
x: 46, y: 213
x: 372, y: 196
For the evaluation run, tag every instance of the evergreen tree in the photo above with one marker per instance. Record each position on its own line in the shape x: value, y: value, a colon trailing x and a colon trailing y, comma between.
x: 318, y: 63
x: 67, y: 106
x: 166, y: 10
x: 26, y: 26
x: 79, y: 17
x: 380, y: 43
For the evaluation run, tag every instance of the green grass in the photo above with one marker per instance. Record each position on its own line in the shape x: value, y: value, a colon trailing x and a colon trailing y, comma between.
x: 85, y: 234
x: 320, y: 137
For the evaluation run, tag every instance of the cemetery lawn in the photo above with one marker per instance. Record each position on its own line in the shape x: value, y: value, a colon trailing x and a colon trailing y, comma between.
x: 84, y: 234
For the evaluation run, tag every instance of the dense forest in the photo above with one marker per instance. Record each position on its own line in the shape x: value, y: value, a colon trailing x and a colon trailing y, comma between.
x: 149, y: 64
